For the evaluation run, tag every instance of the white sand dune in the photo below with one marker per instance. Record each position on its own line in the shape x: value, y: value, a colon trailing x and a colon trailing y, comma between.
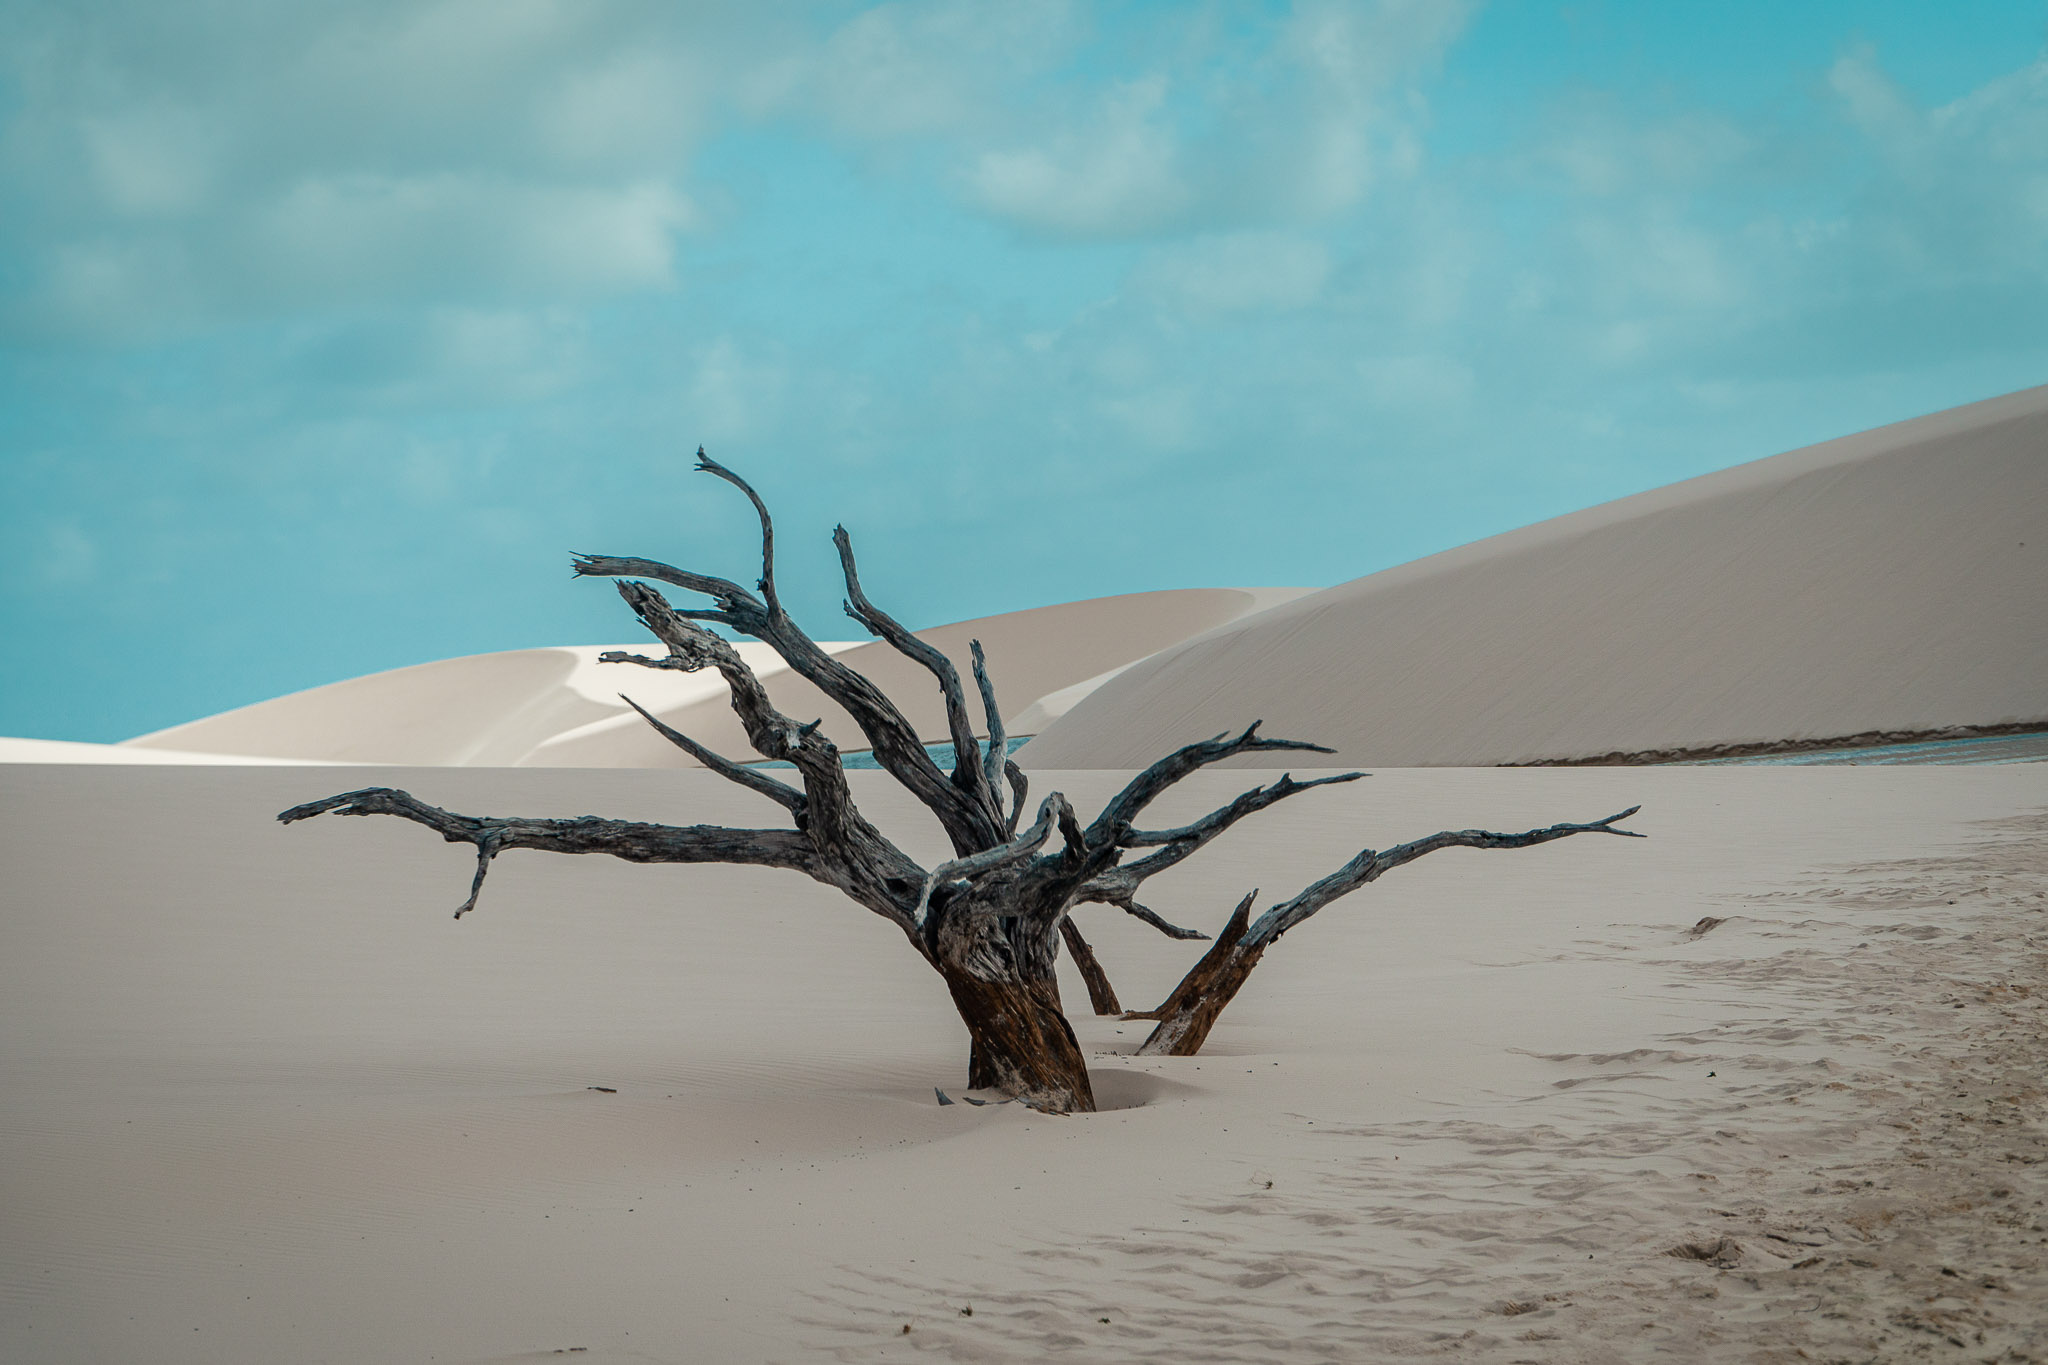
x: 262, y: 1099
x: 557, y: 707
x: 1042, y: 661
x: 1891, y: 581
x: 476, y: 710
x: 13, y: 750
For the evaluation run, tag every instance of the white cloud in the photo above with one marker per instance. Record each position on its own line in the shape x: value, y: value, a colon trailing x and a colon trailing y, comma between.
x: 1600, y: 150
x: 732, y: 394
x: 1870, y: 97
x: 1211, y: 131
x: 152, y: 163
x: 1161, y: 420
x: 367, y: 241
x: 69, y: 556
x: 1429, y: 382
x: 1116, y: 177
x: 1236, y: 272
x: 172, y: 168
x: 633, y: 110
x: 938, y: 67
x: 1964, y: 187
x: 473, y: 235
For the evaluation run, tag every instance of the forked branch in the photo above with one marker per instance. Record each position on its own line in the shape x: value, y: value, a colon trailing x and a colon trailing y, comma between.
x: 1146, y: 787
x: 1145, y: 915
x: 1370, y: 865
x: 1053, y: 811
x: 997, y: 756
x: 1196, y: 1003
x: 736, y: 606
x: 635, y: 842
x: 968, y: 810
x: 1119, y: 885
x: 1201, y: 831
x: 707, y: 465
x: 969, y: 774
x: 753, y: 779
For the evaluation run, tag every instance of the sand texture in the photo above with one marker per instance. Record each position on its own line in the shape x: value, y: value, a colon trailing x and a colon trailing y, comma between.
x: 1891, y: 581
x: 558, y: 707
x: 263, y: 1100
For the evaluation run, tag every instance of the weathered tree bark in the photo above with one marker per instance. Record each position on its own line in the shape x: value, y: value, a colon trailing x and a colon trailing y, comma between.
x: 1212, y: 983
x: 1101, y: 995
x: 1021, y: 1043
x: 990, y: 920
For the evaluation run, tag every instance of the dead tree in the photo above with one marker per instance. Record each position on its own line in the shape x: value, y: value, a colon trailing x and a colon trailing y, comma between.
x: 990, y: 920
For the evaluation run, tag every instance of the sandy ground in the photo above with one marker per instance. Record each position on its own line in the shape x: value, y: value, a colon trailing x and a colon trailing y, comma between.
x: 1892, y: 580
x: 265, y: 1101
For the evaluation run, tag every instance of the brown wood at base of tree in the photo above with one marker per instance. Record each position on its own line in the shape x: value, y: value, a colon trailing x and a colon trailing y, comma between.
x: 1188, y: 1014
x: 1101, y: 995
x: 1217, y: 978
x: 1021, y: 1043
x: 1200, y: 976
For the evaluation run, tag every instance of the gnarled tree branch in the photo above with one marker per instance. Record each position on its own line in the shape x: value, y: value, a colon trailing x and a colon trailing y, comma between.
x: 1101, y: 995
x: 707, y: 465
x: 969, y: 822
x: 968, y: 772
x: 1196, y: 1003
x: 1054, y: 809
x: 1119, y: 885
x: 1201, y: 831
x: 1145, y: 788
x: 635, y: 842
x: 1130, y: 907
x: 1370, y: 865
x: 854, y: 855
x: 736, y: 605
x: 997, y: 755
x: 1019, y: 788
x: 753, y: 779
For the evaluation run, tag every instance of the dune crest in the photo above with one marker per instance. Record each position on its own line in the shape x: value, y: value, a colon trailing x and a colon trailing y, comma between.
x: 557, y: 707
x: 1892, y: 581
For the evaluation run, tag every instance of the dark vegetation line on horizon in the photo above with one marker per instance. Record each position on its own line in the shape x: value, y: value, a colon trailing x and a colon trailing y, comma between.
x: 1864, y: 739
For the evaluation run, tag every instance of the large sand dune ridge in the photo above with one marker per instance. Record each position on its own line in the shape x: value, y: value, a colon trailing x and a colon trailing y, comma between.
x: 1891, y: 581
x: 557, y: 707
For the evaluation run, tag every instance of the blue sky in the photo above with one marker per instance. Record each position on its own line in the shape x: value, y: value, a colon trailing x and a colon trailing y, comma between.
x: 327, y: 330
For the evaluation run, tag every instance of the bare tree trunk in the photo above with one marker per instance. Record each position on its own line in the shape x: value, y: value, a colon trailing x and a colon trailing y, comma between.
x: 1101, y: 995
x: 1213, y: 982
x: 1021, y: 1043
